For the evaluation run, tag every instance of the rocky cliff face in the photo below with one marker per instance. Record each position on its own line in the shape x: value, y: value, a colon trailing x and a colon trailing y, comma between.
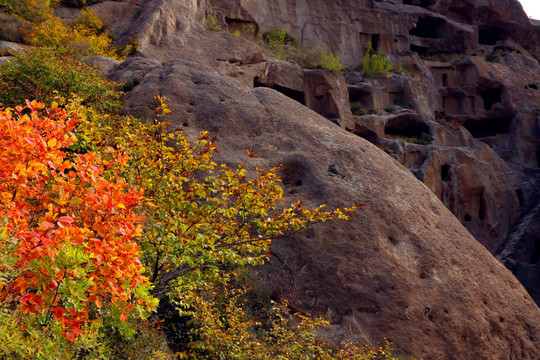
x: 465, y: 120
x: 473, y: 104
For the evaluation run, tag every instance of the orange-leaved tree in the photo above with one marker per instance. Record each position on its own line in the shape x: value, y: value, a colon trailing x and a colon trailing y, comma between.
x: 67, y: 225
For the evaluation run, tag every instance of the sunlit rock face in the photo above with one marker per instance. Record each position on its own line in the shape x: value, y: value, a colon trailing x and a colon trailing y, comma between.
x: 460, y: 114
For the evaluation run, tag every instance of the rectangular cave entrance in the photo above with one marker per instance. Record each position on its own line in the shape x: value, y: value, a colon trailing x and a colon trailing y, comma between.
x: 408, y: 127
x: 445, y: 79
x: 360, y: 101
x: 488, y: 127
x: 490, y: 35
x: 247, y: 29
x: 491, y: 97
x: 431, y: 28
x: 420, y: 50
x: 375, y: 42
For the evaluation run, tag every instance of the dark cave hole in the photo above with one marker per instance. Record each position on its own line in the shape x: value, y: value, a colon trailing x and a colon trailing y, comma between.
x: 535, y: 257
x: 482, y: 210
x: 408, y: 127
x: 431, y: 28
x: 445, y: 79
x: 427, y: 3
x: 293, y: 173
x: 488, y: 127
x: 491, y: 97
x: 422, y: 3
x: 420, y: 50
x: 490, y: 36
x: 130, y: 85
x: 467, y: 218
x: 445, y: 173
x: 375, y: 42
x: 532, y: 86
x: 293, y: 94
x: 359, y: 100
x: 521, y: 199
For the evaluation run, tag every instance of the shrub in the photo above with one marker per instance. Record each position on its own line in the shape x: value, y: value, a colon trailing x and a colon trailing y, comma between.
x: 321, y: 58
x: 445, y: 57
x: 275, y: 37
x: 386, y: 149
x: 30, y: 10
x: 279, y: 44
x: 422, y: 139
x: 407, y: 69
x: 493, y: 56
x: 374, y: 63
x: 70, y: 262
x: 14, y: 29
x: 45, y: 75
x: 86, y: 36
x: 210, y: 23
x: 223, y: 330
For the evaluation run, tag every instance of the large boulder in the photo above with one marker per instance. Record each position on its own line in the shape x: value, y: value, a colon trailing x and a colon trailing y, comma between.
x: 405, y: 268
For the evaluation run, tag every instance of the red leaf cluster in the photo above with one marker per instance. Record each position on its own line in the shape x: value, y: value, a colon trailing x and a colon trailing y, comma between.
x: 68, y: 220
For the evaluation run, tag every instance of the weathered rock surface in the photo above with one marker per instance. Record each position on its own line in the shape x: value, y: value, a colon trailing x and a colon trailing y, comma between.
x: 391, y: 25
x: 103, y: 63
x: 467, y: 127
x: 482, y: 94
x: 8, y: 48
x: 405, y: 268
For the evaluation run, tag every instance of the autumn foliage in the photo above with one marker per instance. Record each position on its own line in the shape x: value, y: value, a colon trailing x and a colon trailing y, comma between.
x: 103, y: 217
x: 90, y: 241
x: 68, y: 223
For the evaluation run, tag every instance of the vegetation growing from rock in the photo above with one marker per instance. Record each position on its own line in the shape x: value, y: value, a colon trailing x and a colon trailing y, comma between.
x: 279, y: 44
x: 374, y: 63
x: 49, y: 76
x: 33, y: 22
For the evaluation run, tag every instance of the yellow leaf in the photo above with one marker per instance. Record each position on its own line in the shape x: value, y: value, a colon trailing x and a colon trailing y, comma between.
x: 51, y: 143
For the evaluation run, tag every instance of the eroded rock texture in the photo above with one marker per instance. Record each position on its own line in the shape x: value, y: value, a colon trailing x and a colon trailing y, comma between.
x: 464, y: 121
x: 463, y: 117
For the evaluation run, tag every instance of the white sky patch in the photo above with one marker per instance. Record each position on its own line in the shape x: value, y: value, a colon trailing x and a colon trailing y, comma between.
x: 532, y: 8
